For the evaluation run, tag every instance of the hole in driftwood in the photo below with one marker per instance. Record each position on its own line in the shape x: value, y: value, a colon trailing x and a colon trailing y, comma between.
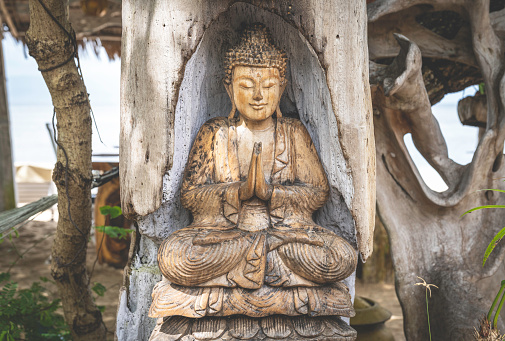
x: 429, y: 175
x: 461, y: 139
x: 497, y: 162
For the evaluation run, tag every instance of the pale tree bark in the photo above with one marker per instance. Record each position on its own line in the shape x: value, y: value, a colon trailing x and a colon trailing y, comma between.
x: 7, y: 195
x: 428, y: 237
x: 171, y: 83
x: 52, y: 48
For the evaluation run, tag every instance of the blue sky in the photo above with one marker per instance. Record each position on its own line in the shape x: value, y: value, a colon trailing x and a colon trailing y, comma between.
x: 30, y: 109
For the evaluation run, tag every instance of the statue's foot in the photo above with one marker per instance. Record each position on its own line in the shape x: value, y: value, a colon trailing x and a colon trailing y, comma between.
x: 278, y: 327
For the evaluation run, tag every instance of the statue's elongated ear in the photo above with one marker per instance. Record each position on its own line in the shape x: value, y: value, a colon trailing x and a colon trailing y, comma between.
x: 229, y: 90
x: 278, y: 112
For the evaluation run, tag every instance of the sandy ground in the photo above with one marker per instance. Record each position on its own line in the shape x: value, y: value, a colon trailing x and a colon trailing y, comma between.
x: 35, y: 238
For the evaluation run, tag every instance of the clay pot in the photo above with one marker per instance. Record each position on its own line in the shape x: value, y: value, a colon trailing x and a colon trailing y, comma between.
x: 369, y: 320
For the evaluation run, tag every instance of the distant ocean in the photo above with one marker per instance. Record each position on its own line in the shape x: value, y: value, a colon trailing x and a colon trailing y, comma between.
x: 32, y: 143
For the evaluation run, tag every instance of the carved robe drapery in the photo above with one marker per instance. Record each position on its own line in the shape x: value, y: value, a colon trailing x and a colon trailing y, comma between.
x: 291, y: 264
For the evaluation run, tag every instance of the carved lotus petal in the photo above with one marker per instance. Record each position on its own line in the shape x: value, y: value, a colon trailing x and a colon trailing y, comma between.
x: 276, y: 327
x: 208, y: 328
x: 335, y: 326
x: 173, y: 329
x: 243, y: 328
x: 308, y: 327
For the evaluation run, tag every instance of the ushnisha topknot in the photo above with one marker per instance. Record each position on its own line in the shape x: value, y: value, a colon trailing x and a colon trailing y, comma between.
x: 255, y: 49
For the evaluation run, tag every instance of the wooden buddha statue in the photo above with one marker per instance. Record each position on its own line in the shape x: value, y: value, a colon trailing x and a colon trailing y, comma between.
x: 253, y: 262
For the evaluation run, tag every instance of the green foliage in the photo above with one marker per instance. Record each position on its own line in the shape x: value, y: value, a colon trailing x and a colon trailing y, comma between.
x: 114, y: 211
x: 482, y: 89
x: 494, y: 322
x: 28, y: 313
x: 497, y: 238
x: 113, y: 231
x: 99, y: 289
x: 493, y: 244
x: 481, y: 207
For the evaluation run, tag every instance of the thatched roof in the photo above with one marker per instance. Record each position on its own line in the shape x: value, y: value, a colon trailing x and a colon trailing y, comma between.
x: 103, y: 27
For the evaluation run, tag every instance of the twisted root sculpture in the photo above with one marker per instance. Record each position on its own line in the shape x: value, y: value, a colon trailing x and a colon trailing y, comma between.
x: 428, y: 237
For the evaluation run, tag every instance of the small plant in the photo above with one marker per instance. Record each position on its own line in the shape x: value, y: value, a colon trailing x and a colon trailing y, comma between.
x: 488, y: 328
x: 28, y: 314
x: 427, y: 288
x: 99, y: 289
x: 113, y: 231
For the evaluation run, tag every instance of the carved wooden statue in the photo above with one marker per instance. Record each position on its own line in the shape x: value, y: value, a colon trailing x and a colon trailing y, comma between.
x: 253, y: 264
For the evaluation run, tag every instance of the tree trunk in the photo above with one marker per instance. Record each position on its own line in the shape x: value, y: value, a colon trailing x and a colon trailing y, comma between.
x: 429, y: 239
x: 171, y: 83
x: 7, y: 196
x: 52, y: 47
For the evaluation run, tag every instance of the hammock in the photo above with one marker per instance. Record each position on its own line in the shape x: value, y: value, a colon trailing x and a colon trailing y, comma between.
x: 11, y: 218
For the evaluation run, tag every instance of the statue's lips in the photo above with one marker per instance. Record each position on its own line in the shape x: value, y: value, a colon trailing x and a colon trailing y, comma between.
x: 258, y: 106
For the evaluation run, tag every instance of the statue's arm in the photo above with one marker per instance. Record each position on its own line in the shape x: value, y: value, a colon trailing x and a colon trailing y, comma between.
x: 310, y: 189
x: 200, y: 192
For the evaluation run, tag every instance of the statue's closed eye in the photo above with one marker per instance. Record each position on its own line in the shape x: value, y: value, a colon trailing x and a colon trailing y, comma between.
x: 269, y: 83
x: 246, y: 83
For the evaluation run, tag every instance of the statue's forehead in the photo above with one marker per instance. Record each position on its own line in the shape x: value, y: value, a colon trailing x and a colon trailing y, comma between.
x: 255, y: 71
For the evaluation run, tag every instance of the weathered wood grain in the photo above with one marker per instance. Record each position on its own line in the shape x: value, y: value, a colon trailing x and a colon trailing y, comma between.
x: 428, y: 237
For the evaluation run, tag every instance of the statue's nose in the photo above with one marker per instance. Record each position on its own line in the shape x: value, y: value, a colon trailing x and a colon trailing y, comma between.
x: 258, y: 96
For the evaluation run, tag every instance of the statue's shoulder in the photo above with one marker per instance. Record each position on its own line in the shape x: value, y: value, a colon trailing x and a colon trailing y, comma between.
x: 294, y: 124
x: 214, y: 124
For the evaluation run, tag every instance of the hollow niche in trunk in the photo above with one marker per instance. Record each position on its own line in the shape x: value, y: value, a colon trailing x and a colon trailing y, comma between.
x: 201, y: 97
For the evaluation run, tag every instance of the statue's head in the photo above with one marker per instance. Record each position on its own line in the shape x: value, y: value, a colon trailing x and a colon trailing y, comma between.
x: 255, y: 74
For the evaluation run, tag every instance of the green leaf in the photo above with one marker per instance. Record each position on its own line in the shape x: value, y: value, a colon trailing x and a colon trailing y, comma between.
x: 115, y: 212
x: 493, y: 244
x: 99, y: 289
x: 492, y: 189
x: 482, y: 88
x: 104, y: 210
x: 481, y: 207
x: 114, y: 231
x: 101, y: 308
